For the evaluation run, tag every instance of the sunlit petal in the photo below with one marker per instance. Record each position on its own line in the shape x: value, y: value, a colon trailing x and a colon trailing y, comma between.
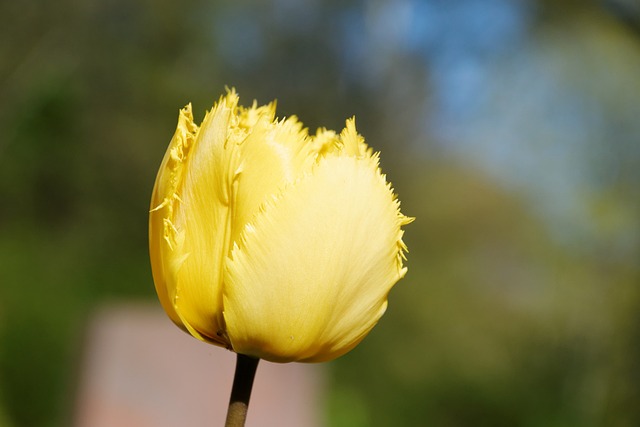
x: 311, y: 275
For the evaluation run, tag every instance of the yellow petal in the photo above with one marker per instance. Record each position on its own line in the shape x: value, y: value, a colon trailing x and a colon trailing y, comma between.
x: 197, y: 222
x: 163, y: 201
x: 273, y: 155
x: 325, y: 142
x: 352, y: 142
x: 311, y: 274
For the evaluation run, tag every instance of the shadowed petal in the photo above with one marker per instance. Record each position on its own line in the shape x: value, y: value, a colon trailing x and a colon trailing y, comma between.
x: 273, y: 154
x: 164, y: 199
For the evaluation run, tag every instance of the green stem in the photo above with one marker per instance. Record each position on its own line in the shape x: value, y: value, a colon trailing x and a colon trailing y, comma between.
x: 241, y: 392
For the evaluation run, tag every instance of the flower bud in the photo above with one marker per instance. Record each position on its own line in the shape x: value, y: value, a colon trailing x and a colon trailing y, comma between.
x: 271, y: 242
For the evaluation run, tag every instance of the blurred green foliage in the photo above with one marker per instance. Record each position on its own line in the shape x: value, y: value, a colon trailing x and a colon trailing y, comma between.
x: 519, y: 309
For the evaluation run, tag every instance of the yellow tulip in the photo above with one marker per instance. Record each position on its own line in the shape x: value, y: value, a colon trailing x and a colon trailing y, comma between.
x: 271, y: 242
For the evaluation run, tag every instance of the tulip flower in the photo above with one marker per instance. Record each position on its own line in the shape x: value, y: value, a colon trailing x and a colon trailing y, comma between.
x: 271, y: 242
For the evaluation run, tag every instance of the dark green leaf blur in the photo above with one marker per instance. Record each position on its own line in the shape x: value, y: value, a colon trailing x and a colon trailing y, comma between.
x: 510, y: 130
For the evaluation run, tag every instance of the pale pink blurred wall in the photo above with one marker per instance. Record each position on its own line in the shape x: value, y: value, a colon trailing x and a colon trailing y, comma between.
x: 139, y: 370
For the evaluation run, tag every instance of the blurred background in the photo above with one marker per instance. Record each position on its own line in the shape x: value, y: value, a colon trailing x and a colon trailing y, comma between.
x: 510, y: 130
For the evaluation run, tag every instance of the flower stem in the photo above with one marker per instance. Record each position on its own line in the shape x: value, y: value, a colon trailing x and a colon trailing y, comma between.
x: 241, y: 392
